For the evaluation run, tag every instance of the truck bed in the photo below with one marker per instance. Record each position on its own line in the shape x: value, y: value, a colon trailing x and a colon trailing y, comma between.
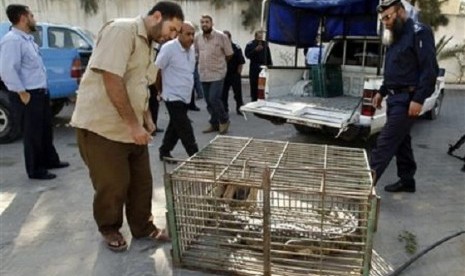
x: 345, y: 103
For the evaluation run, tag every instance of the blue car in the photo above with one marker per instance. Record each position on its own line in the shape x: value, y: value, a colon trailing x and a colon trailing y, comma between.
x: 65, y: 51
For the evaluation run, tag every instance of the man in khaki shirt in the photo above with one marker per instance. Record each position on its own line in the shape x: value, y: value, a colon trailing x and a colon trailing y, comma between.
x: 114, y: 124
x: 213, y: 50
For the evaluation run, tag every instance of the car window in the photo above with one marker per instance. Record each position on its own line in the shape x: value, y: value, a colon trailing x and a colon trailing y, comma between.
x: 337, y: 53
x: 354, y: 52
x: 38, y: 36
x: 65, y: 38
x: 358, y: 52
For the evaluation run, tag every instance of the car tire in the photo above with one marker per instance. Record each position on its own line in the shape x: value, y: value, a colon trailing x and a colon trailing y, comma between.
x: 433, y: 114
x: 9, y: 129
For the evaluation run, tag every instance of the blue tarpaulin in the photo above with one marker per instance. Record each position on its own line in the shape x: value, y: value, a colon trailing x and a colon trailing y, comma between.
x: 296, y: 22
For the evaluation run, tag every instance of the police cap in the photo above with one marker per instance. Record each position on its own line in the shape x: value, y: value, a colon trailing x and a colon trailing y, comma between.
x: 386, y: 4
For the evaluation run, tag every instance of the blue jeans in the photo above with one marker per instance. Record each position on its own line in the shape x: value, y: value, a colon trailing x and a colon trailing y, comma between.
x: 213, y: 96
x: 197, y: 84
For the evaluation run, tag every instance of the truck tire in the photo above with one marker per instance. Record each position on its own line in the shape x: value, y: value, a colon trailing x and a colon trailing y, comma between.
x: 433, y: 114
x: 306, y: 129
x: 9, y: 130
x: 56, y: 106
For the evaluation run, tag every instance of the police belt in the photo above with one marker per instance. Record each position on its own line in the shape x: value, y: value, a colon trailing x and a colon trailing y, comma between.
x: 400, y: 90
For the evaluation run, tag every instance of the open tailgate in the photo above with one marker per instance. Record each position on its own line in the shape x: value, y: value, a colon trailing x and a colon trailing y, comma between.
x: 304, y: 113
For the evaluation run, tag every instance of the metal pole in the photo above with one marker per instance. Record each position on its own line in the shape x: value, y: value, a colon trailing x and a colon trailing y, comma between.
x: 266, y: 222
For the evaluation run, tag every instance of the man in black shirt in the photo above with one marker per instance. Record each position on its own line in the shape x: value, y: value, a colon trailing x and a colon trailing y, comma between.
x: 410, y: 76
x: 259, y: 54
x: 233, y: 76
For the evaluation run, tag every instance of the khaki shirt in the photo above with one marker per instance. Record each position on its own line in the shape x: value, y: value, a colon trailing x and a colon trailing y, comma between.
x: 212, y: 53
x: 122, y: 48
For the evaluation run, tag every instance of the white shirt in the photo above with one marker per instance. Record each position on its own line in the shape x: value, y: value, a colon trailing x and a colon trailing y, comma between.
x: 313, y: 55
x: 177, y: 70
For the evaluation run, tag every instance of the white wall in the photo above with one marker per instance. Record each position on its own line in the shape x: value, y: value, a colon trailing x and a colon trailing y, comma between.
x: 70, y: 12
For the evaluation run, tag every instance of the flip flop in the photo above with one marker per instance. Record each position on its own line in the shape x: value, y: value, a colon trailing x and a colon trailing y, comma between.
x: 115, y: 241
x: 160, y: 235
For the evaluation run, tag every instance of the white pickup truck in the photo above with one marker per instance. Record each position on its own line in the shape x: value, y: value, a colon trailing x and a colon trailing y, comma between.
x: 291, y: 98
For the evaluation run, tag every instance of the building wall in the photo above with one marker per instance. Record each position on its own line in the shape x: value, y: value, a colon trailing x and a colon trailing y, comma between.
x: 70, y: 12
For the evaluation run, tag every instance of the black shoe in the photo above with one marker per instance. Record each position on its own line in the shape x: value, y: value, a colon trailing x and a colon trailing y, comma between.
x: 60, y: 165
x: 45, y: 176
x: 167, y: 155
x: 193, y: 108
x: 401, y: 186
x: 239, y: 112
x: 159, y: 130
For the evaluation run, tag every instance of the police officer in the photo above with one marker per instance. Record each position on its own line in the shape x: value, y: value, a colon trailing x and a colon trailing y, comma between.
x: 259, y: 54
x: 410, y: 75
x: 233, y: 76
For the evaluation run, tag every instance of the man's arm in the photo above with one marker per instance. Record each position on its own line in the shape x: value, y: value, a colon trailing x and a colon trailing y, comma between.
x: 10, y: 64
x: 250, y: 50
x: 116, y: 91
x: 427, y: 64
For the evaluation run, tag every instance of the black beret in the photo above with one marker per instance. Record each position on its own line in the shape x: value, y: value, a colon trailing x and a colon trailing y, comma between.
x: 386, y: 4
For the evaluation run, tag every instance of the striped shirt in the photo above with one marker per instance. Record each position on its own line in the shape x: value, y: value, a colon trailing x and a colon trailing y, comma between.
x: 212, y: 52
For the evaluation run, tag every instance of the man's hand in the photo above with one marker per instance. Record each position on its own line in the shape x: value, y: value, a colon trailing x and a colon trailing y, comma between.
x: 377, y: 100
x: 414, y: 109
x: 148, y: 122
x: 25, y: 97
x: 140, y: 135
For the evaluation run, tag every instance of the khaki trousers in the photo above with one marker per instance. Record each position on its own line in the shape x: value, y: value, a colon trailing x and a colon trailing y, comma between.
x: 121, y: 177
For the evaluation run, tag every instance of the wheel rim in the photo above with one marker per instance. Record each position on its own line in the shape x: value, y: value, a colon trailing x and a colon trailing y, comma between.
x: 437, y: 107
x: 3, y: 120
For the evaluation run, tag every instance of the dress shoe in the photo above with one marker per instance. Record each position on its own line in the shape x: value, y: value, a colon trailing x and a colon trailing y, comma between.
x: 224, y: 127
x: 159, y: 130
x: 401, y: 186
x: 45, y: 176
x: 59, y: 165
x: 193, y: 108
x: 210, y: 129
x: 167, y: 155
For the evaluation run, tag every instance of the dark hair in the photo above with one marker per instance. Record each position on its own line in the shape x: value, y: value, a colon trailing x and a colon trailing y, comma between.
x: 168, y: 10
x: 226, y: 32
x: 207, y: 16
x: 14, y: 12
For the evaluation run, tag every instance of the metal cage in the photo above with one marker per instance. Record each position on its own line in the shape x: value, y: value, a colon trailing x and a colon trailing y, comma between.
x: 245, y: 206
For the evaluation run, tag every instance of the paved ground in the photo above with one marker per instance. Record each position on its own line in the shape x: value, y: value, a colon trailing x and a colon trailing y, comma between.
x: 46, y: 228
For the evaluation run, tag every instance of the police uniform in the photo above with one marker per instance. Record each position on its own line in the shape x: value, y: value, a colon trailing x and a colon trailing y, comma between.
x: 410, y: 74
x: 233, y: 78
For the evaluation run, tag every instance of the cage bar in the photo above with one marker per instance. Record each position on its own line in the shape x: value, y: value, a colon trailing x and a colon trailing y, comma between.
x: 248, y: 206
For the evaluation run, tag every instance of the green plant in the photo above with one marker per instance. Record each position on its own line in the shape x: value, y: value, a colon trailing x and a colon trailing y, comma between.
x: 90, y: 7
x: 410, y: 241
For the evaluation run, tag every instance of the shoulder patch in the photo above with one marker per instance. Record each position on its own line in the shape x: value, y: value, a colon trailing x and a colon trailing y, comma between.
x: 417, y: 27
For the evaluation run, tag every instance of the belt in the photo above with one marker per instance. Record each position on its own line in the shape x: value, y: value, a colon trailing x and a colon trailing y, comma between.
x: 38, y: 90
x: 400, y: 90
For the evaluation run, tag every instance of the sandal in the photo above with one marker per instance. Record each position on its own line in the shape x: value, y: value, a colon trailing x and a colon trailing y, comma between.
x: 160, y: 235
x: 115, y: 241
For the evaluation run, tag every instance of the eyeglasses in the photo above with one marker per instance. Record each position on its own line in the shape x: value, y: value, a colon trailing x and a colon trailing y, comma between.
x: 387, y: 17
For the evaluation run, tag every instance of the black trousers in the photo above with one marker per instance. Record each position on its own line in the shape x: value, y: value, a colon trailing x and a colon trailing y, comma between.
x: 233, y: 81
x: 179, y: 127
x: 395, y: 140
x: 35, y: 119
x: 253, y: 79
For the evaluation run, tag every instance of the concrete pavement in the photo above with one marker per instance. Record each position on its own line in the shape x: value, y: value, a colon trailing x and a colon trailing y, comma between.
x: 46, y: 227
